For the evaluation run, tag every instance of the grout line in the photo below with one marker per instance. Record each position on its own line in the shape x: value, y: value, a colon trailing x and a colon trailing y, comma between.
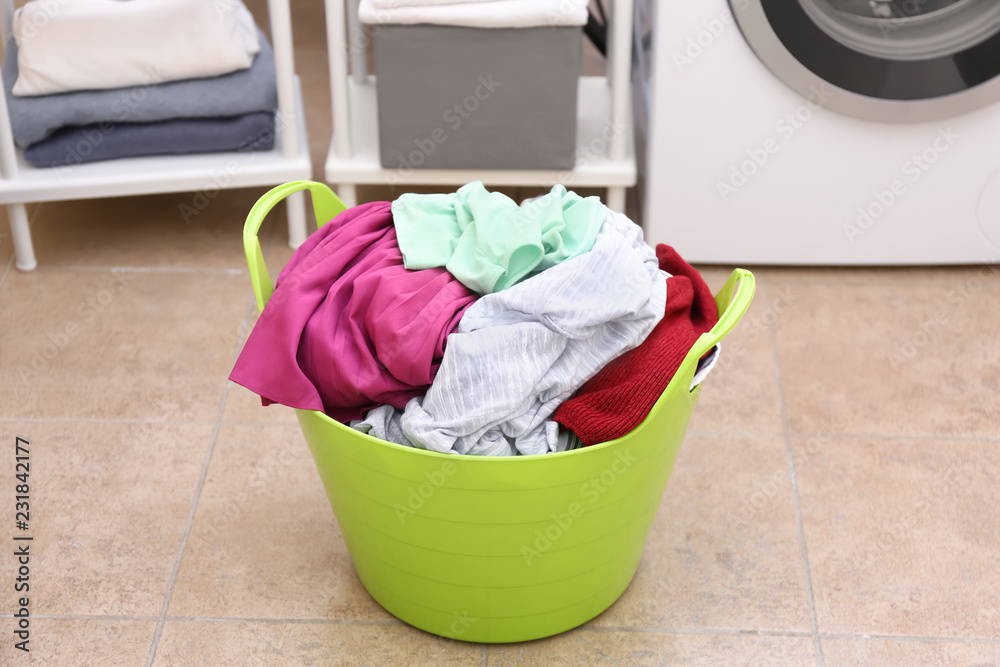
x: 866, y: 436
x: 84, y: 420
x: 912, y: 638
x: 484, y: 653
x: 260, y: 424
x: 850, y: 436
x: 796, y: 502
x: 194, y: 507
x: 295, y: 621
x: 699, y: 631
x: 92, y: 617
x: 145, y: 269
x: 745, y: 434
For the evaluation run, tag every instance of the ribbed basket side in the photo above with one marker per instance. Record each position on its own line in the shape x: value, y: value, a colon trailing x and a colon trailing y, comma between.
x: 527, y: 547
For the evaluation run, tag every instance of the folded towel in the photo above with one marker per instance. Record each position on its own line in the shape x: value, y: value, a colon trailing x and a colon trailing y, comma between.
x: 98, y: 44
x: 244, y: 91
x: 477, y: 13
x: 108, y: 141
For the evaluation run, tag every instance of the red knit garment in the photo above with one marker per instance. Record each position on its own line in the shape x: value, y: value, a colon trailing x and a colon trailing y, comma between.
x: 619, y: 397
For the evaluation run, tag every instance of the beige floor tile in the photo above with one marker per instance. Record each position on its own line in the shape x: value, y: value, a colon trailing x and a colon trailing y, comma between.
x: 243, y: 406
x: 893, y: 356
x: 246, y: 644
x: 70, y: 643
x: 264, y: 543
x: 724, y: 549
x: 107, y: 510
x: 741, y: 394
x: 200, y: 229
x: 121, y: 345
x: 902, y: 536
x: 587, y: 647
x: 879, y: 652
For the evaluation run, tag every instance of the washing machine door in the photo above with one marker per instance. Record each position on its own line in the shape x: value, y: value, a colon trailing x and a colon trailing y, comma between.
x: 888, y: 60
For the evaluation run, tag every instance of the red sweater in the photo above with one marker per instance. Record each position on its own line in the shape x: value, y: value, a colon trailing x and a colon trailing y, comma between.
x: 619, y: 397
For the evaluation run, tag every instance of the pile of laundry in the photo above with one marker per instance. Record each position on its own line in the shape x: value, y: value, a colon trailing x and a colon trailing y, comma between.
x: 96, y: 80
x: 467, y: 323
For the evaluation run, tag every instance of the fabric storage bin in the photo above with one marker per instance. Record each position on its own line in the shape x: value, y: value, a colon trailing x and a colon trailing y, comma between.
x: 497, y: 549
x: 452, y: 97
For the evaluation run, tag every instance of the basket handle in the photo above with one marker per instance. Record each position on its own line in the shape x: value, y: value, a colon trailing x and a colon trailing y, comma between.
x: 326, y: 205
x: 732, y: 300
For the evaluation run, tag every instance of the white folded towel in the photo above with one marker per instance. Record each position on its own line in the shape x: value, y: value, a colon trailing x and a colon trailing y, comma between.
x: 476, y: 13
x: 99, y: 44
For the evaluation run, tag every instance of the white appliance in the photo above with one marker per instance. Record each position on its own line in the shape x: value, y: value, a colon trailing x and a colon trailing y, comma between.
x: 822, y: 131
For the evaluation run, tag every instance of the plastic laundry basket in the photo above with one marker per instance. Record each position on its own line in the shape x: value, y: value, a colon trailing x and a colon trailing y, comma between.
x: 497, y: 549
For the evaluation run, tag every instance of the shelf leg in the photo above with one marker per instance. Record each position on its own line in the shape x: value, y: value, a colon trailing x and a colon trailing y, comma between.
x: 348, y: 194
x: 23, y: 248
x: 616, y: 199
x: 296, y: 211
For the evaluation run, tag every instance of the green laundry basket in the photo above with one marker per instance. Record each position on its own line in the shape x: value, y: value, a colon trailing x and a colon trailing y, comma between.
x: 497, y: 549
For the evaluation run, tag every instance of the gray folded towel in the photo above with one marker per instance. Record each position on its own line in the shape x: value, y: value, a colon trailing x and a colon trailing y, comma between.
x: 75, y: 145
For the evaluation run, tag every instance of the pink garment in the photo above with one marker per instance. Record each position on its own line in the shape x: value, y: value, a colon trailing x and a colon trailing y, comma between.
x: 348, y: 328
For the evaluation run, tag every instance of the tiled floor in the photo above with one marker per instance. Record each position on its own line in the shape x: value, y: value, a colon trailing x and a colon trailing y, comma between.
x: 835, y: 502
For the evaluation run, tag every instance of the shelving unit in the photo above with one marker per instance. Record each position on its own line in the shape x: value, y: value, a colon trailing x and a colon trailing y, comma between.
x: 605, y: 150
x: 22, y: 183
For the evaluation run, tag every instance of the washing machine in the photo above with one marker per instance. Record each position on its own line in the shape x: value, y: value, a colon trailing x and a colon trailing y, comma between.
x: 836, y: 132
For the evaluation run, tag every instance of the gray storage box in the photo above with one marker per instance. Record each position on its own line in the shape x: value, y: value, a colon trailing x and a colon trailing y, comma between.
x: 454, y: 97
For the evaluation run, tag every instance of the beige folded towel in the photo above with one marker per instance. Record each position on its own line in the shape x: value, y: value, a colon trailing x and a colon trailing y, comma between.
x: 66, y: 45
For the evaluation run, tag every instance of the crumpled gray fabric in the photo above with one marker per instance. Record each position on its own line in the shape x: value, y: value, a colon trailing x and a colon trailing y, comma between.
x: 519, y: 353
x: 383, y: 423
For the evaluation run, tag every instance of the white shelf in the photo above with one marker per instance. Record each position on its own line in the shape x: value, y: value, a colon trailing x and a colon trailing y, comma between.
x: 594, y: 166
x: 162, y: 173
x: 605, y: 150
x: 287, y: 161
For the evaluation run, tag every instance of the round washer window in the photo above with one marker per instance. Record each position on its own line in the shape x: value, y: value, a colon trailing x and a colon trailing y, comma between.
x: 887, y: 59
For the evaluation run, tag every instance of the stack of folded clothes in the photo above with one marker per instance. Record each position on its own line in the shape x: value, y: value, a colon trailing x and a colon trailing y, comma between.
x: 103, y: 79
x: 469, y: 324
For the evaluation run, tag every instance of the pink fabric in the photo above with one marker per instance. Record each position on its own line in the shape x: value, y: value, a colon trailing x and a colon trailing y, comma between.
x: 348, y: 328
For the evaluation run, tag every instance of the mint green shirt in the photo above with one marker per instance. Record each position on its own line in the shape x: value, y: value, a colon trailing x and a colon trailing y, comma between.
x: 487, y: 241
